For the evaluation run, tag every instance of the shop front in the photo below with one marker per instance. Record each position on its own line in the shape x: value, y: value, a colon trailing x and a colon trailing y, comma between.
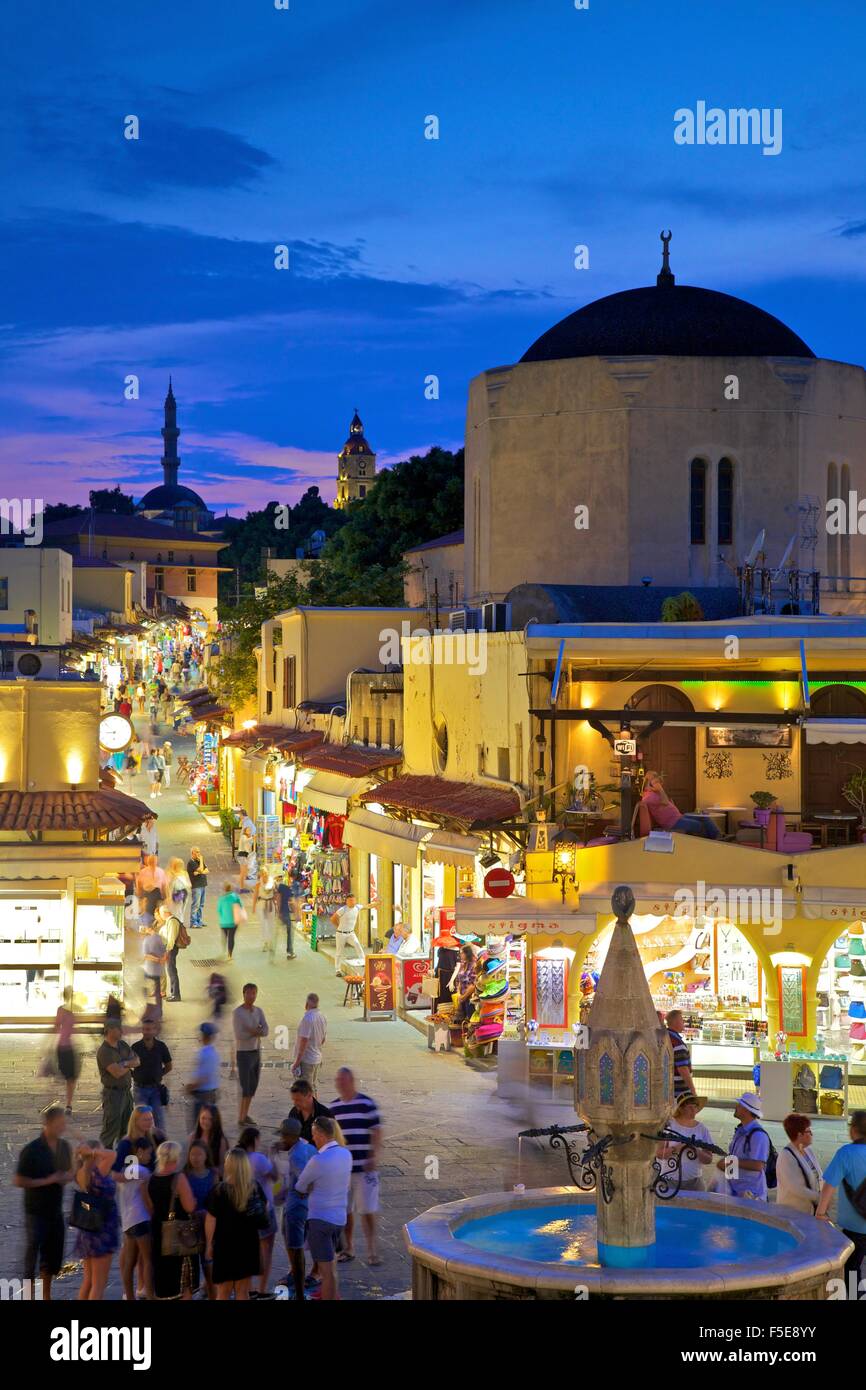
x: 61, y: 929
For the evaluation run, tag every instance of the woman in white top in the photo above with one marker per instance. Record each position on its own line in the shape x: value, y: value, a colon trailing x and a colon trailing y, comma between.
x: 684, y: 1121
x: 798, y: 1172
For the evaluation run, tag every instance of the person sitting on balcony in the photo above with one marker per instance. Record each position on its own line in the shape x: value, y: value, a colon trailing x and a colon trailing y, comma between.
x: 666, y: 816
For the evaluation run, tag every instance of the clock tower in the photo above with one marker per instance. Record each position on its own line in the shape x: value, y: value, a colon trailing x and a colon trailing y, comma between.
x: 356, y: 466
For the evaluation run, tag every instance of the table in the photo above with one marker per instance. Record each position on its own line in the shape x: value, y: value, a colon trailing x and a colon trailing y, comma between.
x: 727, y: 812
x: 836, y: 821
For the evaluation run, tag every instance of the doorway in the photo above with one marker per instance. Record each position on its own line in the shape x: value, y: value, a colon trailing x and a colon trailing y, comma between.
x: 670, y: 751
x: 827, y: 766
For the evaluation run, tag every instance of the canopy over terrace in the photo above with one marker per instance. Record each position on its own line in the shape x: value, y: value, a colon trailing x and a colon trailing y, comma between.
x: 465, y: 805
x: 85, y: 811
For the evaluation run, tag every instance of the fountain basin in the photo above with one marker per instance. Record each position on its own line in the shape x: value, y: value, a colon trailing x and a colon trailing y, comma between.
x: 715, y: 1247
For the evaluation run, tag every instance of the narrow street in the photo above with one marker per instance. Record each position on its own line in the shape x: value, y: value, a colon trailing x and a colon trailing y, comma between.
x: 439, y: 1115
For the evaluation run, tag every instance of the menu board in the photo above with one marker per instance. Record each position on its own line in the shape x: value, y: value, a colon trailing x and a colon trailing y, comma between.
x: 380, y: 986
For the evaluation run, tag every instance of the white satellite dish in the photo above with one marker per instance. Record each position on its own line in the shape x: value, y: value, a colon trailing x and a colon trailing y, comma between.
x: 757, y: 547
x: 783, y: 563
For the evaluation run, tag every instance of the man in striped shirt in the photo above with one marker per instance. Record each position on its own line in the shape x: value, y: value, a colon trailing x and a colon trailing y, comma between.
x: 358, y: 1118
x: 683, y: 1083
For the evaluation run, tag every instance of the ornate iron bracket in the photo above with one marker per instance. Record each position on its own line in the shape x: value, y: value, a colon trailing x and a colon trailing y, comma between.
x: 587, y: 1168
x: 668, y: 1181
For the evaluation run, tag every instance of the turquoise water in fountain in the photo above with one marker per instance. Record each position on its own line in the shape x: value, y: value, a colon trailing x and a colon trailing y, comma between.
x: 685, y: 1239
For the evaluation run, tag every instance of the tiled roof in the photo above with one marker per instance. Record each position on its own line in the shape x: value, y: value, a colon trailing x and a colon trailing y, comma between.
x: 434, y: 798
x: 453, y: 538
x: 113, y: 524
x: 351, y: 760
x: 72, y: 810
x: 203, y: 712
x: 274, y: 736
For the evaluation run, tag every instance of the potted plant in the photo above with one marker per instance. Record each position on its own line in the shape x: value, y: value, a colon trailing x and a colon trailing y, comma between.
x: 854, y: 792
x: 763, y: 801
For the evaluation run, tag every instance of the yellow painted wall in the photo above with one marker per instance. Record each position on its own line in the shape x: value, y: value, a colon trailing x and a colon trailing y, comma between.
x: 105, y: 590
x: 481, y: 711
x: 49, y: 735
x: 39, y: 580
x: 585, y: 747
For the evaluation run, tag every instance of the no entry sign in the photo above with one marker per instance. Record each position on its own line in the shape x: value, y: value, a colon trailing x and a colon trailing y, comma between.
x: 499, y: 883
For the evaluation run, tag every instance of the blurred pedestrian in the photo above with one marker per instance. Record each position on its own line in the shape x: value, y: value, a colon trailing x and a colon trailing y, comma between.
x: 203, y: 1089
x: 44, y: 1168
x: 265, y: 1174
x: 169, y: 1194
x: 154, y: 1066
x: 250, y: 1026
x: 326, y: 1179
x: 68, y: 1060
x: 116, y: 1062
x: 310, y: 1039
x: 197, y: 871
x: 230, y: 915
x: 236, y: 1213
x: 361, y: 1126
x: 290, y: 1156
x: 202, y: 1178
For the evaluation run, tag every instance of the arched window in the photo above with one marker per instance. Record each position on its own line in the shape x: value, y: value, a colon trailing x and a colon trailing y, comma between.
x: 832, y: 540
x: 698, y: 502
x: 725, y: 502
x: 845, y: 538
x: 605, y: 1079
x: 641, y: 1079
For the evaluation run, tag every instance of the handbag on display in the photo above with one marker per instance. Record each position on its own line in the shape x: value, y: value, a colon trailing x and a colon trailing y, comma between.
x: 857, y: 1031
x: 856, y: 947
x: 832, y: 1105
x: 842, y: 962
x: 831, y: 1078
x: 858, y: 969
x: 805, y: 1100
x: 855, y: 929
x: 857, y: 1009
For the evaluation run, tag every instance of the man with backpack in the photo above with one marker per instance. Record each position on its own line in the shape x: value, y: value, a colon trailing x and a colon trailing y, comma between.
x: 751, y: 1158
x: 176, y: 938
x: 847, y: 1172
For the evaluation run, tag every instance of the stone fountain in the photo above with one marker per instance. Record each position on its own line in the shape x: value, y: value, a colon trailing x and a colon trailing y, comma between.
x: 624, y: 1085
x: 616, y: 1241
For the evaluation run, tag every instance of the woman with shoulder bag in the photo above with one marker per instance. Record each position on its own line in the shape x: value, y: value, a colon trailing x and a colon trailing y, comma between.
x: 798, y: 1172
x: 197, y: 870
x: 94, y: 1215
x: 172, y: 1202
x: 237, y: 1213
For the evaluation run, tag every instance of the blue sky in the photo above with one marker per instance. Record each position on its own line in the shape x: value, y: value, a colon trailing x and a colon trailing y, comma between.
x: 409, y: 256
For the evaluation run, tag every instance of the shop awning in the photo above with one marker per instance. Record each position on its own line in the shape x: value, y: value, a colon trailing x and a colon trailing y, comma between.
x: 504, y: 916
x: 325, y: 791
x: 835, y: 730
x: 436, y: 799
x: 447, y: 847
x: 352, y: 760
x: 376, y: 834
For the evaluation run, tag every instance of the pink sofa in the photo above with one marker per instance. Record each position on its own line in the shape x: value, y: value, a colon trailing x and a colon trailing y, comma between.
x: 785, y: 841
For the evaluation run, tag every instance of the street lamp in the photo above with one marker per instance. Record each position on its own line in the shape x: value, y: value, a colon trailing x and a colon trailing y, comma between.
x: 564, y: 860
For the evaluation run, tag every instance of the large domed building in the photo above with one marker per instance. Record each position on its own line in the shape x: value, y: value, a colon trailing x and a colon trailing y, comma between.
x: 686, y: 422
x: 171, y: 503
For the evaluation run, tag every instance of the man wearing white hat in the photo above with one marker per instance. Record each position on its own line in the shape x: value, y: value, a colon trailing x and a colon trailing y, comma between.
x: 751, y: 1148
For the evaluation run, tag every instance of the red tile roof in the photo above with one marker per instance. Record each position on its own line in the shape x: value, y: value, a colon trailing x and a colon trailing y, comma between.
x: 434, y: 798
x: 351, y: 760
x: 274, y: 736
x: 205, y: 711
x: 72, y: 810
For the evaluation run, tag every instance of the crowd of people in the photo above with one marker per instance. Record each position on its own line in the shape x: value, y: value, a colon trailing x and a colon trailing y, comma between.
x: 202, y: 1216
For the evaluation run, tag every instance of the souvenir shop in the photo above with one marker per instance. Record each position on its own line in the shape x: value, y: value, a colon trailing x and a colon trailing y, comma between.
x: 841, y: 1014
x: 203, y: 786
x: 319, y: 850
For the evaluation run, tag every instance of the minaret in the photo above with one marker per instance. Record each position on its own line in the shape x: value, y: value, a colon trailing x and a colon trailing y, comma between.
x: 665, y: 277
x: 625, y: 1090
x: 170, y: 432
x: 356, y: 466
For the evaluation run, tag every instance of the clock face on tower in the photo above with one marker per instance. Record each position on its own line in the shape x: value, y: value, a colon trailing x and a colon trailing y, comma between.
x: 115, y: 732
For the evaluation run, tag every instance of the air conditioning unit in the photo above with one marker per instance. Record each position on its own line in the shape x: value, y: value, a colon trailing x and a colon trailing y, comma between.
x: 496, y: 617
x: 36, y: 663
x: 464, y: 619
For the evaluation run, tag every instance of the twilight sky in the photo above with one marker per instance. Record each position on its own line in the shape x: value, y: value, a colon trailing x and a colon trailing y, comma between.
x: 409, y: 256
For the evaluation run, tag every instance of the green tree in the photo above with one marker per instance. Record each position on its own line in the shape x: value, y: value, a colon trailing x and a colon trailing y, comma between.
x: 682, y: 608
x: 242, y: 625
x: 104, y: 499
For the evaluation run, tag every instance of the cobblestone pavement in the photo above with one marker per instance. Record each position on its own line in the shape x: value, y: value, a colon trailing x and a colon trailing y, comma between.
x: 447, y: 1135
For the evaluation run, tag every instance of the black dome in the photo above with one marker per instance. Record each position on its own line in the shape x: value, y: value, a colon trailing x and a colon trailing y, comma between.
x: 667, y: 321
x: 167, y: 496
